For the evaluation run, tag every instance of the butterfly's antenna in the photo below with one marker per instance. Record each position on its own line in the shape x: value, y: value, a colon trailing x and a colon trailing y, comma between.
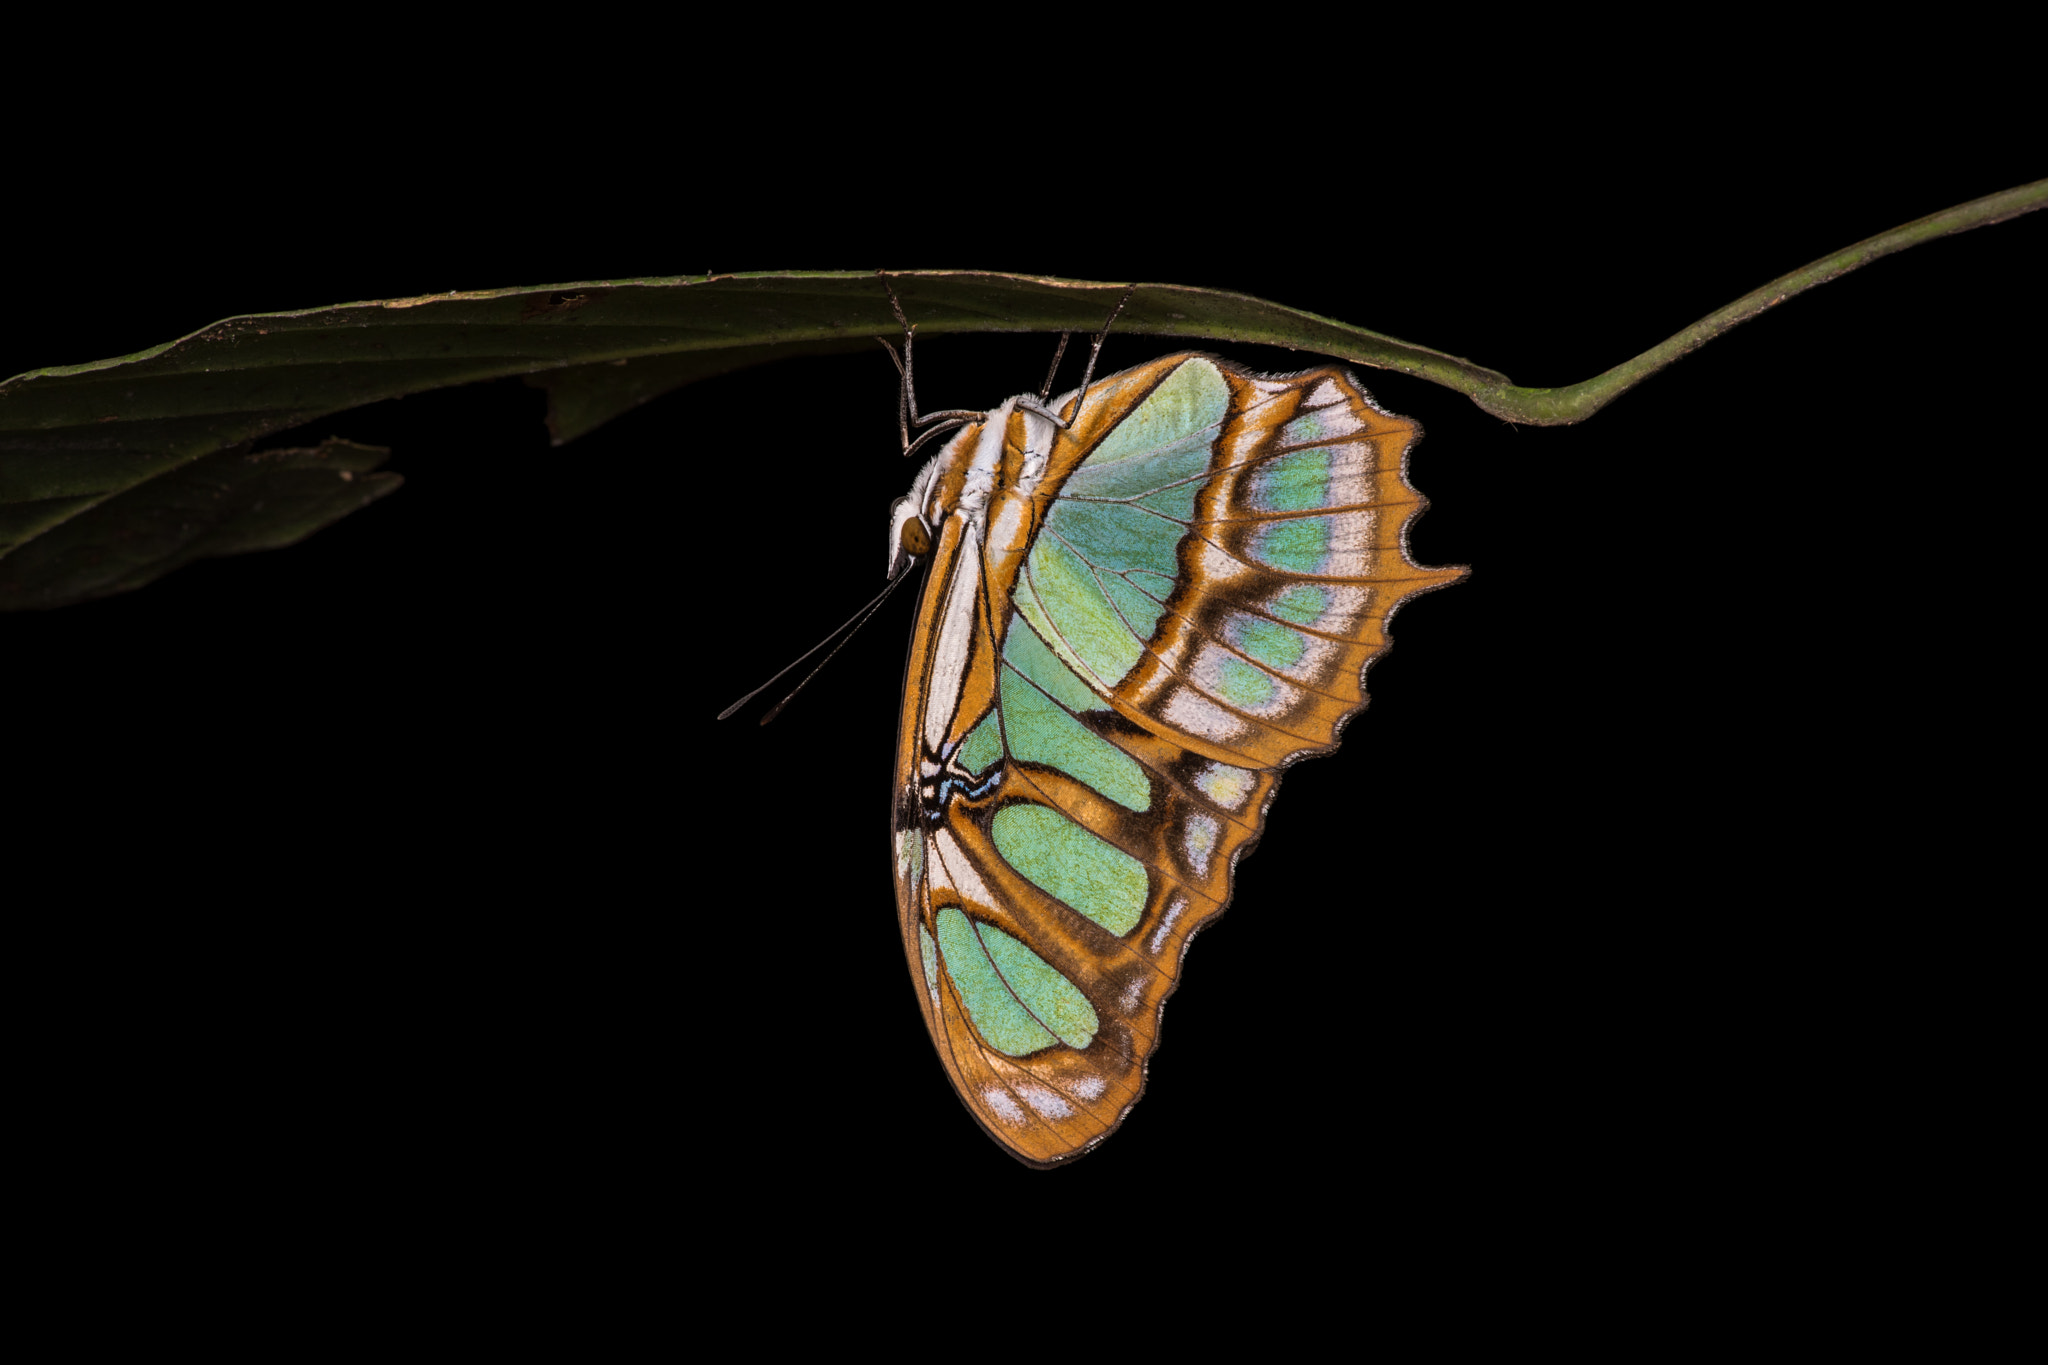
x: 843, y: 634
x: 1046, y: 392
x: 1088, y: 375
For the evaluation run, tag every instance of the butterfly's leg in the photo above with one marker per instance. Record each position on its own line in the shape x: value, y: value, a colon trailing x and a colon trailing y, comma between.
x: 902, y: 396
x: 906, y: 405
x: 907, y: 414
x: 1088, y: 375
x: 1045, y: 390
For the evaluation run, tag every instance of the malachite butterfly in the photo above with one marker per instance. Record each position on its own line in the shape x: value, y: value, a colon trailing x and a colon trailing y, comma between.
x: 1135, y: 620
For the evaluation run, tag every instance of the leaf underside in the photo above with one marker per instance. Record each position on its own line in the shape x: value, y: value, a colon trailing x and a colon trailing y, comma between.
x: 227, y: 503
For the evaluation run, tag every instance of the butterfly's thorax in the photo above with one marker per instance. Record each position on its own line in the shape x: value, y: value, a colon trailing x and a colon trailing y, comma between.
x: 1130, y: 626
x: 983, y: 500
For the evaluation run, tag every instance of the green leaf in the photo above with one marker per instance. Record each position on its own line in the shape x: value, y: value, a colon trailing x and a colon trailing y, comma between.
x: 105, y: 468
x: 78, y: 442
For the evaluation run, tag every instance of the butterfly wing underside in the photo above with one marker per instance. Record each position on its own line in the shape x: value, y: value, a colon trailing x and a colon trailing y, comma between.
x: 1108, y: 677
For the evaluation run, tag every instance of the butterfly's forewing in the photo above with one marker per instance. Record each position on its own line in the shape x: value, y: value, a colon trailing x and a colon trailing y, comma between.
x: 1119, y: 649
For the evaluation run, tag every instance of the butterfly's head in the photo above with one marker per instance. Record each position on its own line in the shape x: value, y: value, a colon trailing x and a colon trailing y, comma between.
x: 910, y: 535
x: 912, y: 520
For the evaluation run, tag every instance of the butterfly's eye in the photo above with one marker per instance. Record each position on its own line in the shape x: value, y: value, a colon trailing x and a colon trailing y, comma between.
x: 916, y: 539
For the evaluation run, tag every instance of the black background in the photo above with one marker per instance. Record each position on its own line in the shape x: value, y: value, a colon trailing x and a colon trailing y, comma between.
x: 406, y: 874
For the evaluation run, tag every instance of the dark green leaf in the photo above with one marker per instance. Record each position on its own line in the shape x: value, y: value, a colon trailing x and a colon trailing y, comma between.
x: 77, y: 442
x: 114, y: 472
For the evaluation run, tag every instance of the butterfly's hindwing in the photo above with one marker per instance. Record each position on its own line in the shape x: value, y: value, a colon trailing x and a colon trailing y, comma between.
x: 1142, y: 623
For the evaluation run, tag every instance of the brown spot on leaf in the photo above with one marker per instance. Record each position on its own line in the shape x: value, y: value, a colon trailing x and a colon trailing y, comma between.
x: 559, y: 304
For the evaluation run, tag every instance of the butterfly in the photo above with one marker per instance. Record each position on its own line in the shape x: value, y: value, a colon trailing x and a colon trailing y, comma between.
x: 1144, y: 601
